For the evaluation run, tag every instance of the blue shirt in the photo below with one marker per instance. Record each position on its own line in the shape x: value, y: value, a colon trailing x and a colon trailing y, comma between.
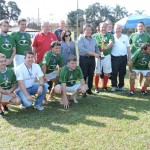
x: 58, y: 32
x: 86, y: 45
x: 67, y: 50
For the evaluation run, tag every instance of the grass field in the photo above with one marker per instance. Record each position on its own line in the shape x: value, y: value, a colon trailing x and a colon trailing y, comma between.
x: 108, y: 121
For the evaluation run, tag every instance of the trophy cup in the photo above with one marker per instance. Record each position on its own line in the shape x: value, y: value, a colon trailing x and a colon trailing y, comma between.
x: 102, y: 48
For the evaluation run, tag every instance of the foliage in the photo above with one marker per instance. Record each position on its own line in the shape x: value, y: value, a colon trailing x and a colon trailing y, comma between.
x: 9, y: 11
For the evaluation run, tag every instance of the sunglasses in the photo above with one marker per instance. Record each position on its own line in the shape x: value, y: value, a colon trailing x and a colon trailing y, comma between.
x: 67, y: 35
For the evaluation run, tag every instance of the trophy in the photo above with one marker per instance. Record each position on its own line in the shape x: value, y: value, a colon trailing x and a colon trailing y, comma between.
x: 102, y: 48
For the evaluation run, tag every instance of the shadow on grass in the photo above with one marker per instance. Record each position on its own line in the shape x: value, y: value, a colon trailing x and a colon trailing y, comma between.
x: 56, y: 118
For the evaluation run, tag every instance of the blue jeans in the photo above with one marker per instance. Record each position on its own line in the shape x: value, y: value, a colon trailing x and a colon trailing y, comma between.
x: 32, y: 91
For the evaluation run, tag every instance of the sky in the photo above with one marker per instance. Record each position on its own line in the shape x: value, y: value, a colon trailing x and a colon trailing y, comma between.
x: 55, y: 10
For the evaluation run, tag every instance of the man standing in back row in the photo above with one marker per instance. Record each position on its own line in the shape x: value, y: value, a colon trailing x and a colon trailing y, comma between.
x: 22, y: 41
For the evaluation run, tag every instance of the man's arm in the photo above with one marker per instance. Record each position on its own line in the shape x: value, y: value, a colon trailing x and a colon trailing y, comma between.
x: 64, y: 95
x: 129, y: 53
x: 12, y: 56
x: 109, y: 45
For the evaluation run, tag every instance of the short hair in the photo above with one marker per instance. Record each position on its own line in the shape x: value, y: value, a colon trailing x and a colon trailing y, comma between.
x: 102, y: 23
x: 2, y: 55
x: 55, y: 43
x: 86, y: 26
x: 21, y: 19
x: 145, y: 46
x: 4, y: 21
x: 117, y: 25
x: 72, y: 58
x: 63, y: 34
x: 43, y: 23
x: 141, y: 22
x: 28, y: 52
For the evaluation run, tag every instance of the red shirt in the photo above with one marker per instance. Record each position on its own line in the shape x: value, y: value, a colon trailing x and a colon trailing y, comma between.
x: 42, y: 44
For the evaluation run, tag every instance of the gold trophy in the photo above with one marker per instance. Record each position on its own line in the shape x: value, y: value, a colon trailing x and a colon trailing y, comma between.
x: 102, y: 48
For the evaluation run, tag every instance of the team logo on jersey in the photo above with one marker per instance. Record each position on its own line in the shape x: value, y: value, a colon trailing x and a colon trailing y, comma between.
x: 6, y: 46
x: 142, y: 62
x: 23, y: 42
x: 71, y: 76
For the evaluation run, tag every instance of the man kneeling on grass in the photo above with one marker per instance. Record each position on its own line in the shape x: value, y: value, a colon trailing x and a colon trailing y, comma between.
x: 8, y: 84
x: 140, y: 64
x: 69, y: 74
x: 27, y: 73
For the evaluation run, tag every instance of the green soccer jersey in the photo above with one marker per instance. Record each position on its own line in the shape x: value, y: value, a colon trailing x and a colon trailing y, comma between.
x: 107, y: 38
x: 6, y: 45
x: 23, y: 42
x: 52, y: 61
x: 140, y: 60
x: 136, y: 40
x: 70, y: 76
x: 7, y: 79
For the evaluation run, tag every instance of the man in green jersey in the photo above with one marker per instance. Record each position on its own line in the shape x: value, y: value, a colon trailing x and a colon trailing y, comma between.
x: 69, y: 74
x: 7, y: 43
x: 8, y: 84
x: 140, y: 64
x: 105, y: 42
x: 51, y: 64
x: 22, y: 41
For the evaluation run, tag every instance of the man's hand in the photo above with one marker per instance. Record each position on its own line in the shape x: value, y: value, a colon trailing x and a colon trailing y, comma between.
x: 66, y: 103
x: 40, y: 90
x: 84, y: 88
x: 29, y: 98
x: 96, y: 55
x: 8, y: 61
x: 8, y: 92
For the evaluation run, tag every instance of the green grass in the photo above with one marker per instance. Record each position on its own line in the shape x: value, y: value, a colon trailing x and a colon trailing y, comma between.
x: 108, y: 121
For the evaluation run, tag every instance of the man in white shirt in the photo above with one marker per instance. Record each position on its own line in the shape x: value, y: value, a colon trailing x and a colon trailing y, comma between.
x: 119, y: 55
x: 26, y: 74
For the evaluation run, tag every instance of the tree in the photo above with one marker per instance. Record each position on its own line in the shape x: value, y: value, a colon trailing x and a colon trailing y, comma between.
x: 3, y: 10
x: 9, y: 11
x: 72, y: 17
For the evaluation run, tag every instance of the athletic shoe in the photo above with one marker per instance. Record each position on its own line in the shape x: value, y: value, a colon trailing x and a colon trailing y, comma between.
x: 143, y: 92
x: 121, y: 89
x: 1, y: 114
x: 114, y: 89
x: 105, y: 89
x: 96, y: 90
x: 5, y: 108
x: 131, y: 93
x: 22, y: 106
x: 40, y: 108
x: 89, y: 92
x: 84, y: 95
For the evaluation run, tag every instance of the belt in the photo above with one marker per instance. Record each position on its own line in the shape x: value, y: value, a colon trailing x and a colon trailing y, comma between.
x: 119, y: 56
x: 87, y: 56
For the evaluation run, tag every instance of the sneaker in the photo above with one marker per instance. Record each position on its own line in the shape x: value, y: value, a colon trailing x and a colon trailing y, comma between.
x: 22, y: 106
x: 5, y: 108
x: 114, y: 89
x: 1, y: 114
x: 105, y: 89
x: 121, y: 89
x: 143, y: 92
x: 84, y: 95
x: 131, y: 93
x: 96, y: 90
x: 40, y: 108
x: 89, y: 92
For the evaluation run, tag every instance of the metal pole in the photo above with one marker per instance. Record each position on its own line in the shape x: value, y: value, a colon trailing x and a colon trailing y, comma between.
x: 77, y: 19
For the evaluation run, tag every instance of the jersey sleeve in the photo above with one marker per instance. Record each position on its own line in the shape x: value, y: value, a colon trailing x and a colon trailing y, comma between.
x: 80, y: 74
x: 135, y: 55
x: 61, y: 61
x: 63, y: 76
x: 46, y: 58
x: 14, y: 80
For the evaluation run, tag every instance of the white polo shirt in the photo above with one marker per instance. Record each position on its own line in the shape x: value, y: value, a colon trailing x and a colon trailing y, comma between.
x: 120, y: 45
x: 28, y: 75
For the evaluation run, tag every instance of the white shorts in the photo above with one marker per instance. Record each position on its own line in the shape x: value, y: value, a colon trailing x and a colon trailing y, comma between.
x: 6, y: 98
x: 144, y: 72
x: 104, y: 64
x: 18, y: 59
x: 71, y: 89
x: 51, y: 75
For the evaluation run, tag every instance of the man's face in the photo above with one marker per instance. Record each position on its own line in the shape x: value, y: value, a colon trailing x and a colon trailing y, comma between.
x: 29, y: 59
x: 88, y: 31
x: 62, y: 25
x: 22, y: 25
x: 109, y: 26
x: 147, y: 51
x: 2, y: 62
x: 56, y: 49
x: 4, y: 27
x: 72, y: 65
x: 103, y: 28
x: 140, y: 27
x: 46, y: 27
x: 118, y: 29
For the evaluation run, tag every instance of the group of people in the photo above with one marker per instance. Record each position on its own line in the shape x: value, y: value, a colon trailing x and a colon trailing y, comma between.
x: 48, y: 64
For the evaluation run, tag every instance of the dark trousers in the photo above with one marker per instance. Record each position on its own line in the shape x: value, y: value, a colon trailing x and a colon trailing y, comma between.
x: 87, y: 65
x: 118, y: 66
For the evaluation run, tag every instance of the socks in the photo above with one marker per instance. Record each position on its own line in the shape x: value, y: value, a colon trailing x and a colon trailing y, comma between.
x: 144, y: 88
x: 96, y: 80
x: 5, y: 103
x: 132, y: 89
x: 105, y: 80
